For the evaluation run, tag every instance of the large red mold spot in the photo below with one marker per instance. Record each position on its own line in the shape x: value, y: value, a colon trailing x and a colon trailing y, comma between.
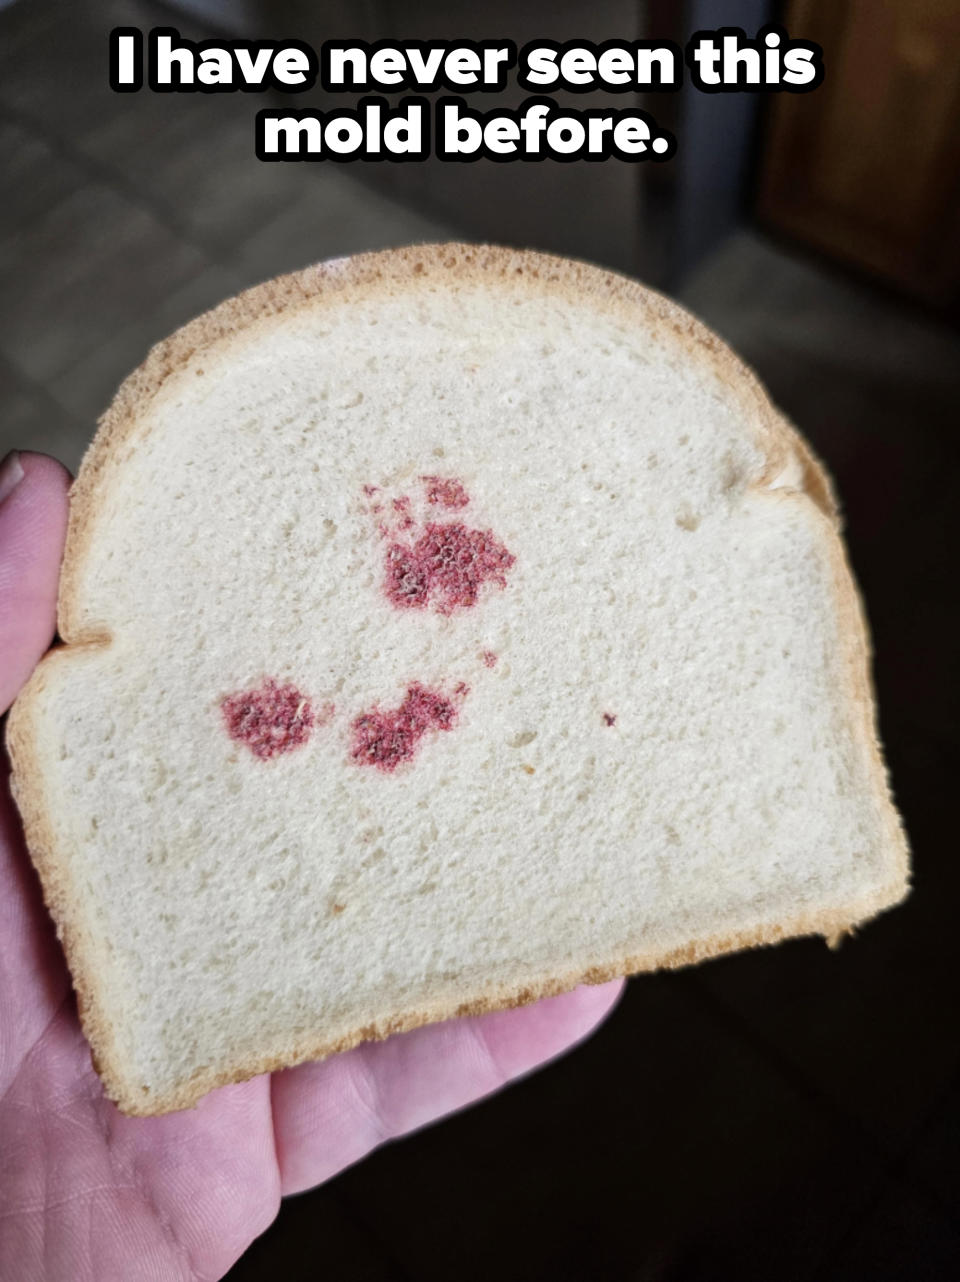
x: 386, y: 738
x: 445, y: 568
x: 270, y: 720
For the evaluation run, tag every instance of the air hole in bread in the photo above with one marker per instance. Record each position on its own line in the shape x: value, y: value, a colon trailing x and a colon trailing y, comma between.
x: 687, y: 520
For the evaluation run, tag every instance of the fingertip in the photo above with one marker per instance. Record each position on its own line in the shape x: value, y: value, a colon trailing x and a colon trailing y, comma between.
x: 531, y: 1035
x: 45, y: 471
x: 33, y: 525
x: 598, y: 1000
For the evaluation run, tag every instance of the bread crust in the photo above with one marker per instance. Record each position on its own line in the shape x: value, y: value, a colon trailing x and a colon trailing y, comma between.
x: 339, y: 281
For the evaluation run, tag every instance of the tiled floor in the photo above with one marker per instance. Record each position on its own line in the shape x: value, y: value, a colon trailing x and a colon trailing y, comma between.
x: 792, y: 1114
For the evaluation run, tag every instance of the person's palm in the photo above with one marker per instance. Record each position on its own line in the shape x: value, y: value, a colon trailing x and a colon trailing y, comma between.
x: 88, y: 1194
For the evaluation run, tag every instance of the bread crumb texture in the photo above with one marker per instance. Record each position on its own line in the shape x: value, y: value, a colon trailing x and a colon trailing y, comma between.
x: 443, y: 628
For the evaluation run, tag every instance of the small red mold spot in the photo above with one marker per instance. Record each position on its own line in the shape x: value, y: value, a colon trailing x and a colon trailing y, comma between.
x: 370, y: 490
x: 386, y: 738
x: 270, y: 720
x: 609, y: 719
x: 402, y: 507
x: 445, y: 491
x: 461, y: 689
x: 489, y: 658
x: 445, y: 568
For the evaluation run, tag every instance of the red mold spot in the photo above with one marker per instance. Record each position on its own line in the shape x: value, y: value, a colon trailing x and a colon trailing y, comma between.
x: 270, y: 720
x: 370, y: 490
x: 408, y: 582
x: 386, y: 738
x: 489, y: 658
x: 445, y: 491
x: 609, y: 719
x: 402, y: 507
x: 445, y: 568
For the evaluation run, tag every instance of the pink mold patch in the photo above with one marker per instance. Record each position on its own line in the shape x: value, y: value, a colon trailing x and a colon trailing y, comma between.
x: 445, y: 568
x: 489, y: 658
x: 445, y: 491
x: 271, y: 719
x: 432, y: 563
x: 401, y: 508
x: 385, y: 739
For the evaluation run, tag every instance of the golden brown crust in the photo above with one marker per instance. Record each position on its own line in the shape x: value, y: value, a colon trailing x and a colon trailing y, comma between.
x: 832, y: 925
x: 54, y: 872
x: 447, y: 265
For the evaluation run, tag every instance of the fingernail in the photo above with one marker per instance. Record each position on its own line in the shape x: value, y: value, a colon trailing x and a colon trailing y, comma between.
x: 11, y: 474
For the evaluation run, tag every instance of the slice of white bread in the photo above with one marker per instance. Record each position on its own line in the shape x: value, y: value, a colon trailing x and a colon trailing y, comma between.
x: 443, y: 628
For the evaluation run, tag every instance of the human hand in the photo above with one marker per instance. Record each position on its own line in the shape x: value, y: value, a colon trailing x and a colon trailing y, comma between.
x: 88, y: 1195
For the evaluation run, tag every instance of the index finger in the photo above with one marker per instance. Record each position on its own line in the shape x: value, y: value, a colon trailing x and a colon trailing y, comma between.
x: 328, y: 1115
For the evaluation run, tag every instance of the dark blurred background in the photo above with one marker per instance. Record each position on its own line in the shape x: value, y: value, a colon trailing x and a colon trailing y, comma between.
x: 786, y: 1114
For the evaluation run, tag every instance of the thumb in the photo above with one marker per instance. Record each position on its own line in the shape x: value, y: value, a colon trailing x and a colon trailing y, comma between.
x: 33, y: 525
